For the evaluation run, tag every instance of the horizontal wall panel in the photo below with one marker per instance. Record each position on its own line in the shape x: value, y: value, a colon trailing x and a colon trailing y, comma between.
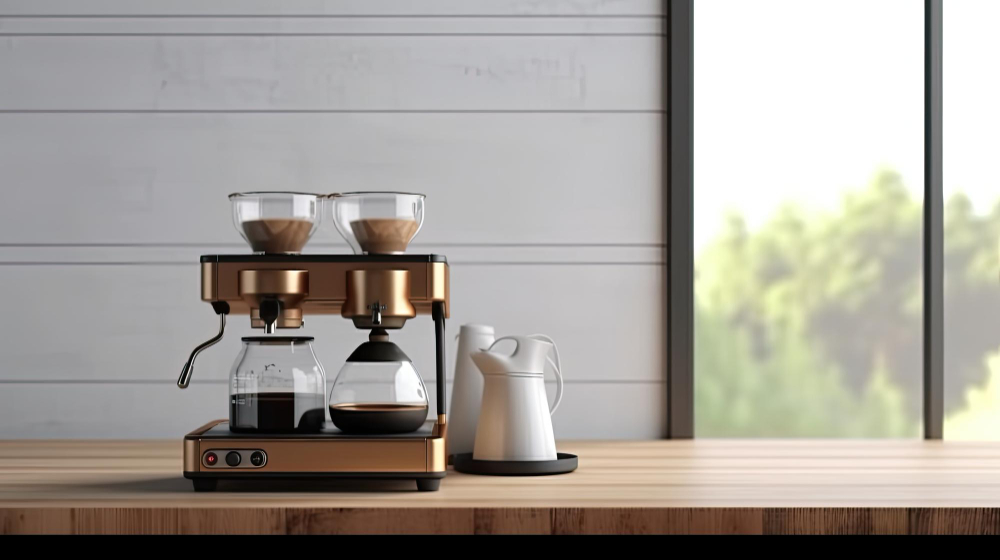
x: 490, y: 178
x: 331, y: 26
x: 534, y: 127
x: 588, y: 411
x: 321, y: 8
x: 330, y: 73
x: 139, y: 323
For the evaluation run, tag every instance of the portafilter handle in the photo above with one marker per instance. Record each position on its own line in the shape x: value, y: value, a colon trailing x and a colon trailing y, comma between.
x: 222, y: 308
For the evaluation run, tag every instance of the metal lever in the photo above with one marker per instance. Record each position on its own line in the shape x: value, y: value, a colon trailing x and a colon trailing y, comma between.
x: 222, y: 308
x: 377, y: 309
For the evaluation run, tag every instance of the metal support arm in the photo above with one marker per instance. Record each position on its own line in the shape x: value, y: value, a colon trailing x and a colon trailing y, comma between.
x: 437, y: 312
x: 222, y: 308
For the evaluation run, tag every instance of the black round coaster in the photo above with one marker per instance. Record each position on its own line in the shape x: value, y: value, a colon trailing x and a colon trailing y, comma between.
x: 564, y: 463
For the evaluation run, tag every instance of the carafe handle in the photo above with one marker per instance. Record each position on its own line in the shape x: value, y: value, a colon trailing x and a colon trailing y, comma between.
x: 556, y: 365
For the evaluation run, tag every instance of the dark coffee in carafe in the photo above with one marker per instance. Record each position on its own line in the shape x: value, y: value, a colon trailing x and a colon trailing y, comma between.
x: 276, y: 412
x: 378, y: 418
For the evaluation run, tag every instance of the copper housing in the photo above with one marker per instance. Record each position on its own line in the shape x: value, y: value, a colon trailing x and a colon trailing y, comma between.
x: 322, y: 455
x: 378, y: 298
x: 289, y: 287
x: 326, y: 287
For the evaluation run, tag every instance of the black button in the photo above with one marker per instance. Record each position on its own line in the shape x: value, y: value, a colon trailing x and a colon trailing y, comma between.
x: 233, y: 459
x: 257, y: 458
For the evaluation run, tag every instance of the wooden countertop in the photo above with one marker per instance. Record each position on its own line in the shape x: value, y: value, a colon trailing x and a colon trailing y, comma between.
x: 716, y: 486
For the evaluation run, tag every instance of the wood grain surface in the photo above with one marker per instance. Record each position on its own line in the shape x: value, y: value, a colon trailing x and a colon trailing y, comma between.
x: 703, y: 486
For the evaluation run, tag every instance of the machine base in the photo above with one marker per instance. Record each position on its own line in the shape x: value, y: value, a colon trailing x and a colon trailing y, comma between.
x: 209, y: 482
x: 213, y: 453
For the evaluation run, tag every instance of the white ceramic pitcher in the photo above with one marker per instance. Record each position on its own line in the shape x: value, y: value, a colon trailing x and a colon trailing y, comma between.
x: 515, y: 419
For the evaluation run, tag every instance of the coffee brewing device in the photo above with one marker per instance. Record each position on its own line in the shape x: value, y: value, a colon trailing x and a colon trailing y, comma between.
x: 378, y: 404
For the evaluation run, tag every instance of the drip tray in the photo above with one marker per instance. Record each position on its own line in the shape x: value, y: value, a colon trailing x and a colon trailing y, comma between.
x: 329, y: 431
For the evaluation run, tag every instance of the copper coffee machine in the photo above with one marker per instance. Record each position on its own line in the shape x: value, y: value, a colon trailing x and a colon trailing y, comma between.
x: 379, y: 288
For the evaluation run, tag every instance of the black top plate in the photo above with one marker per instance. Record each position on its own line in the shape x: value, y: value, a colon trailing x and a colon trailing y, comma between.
x: 250, y: 257
x: 221, y: 431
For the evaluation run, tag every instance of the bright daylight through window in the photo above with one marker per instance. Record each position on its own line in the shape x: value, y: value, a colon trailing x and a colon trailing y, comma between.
x: 971, y: 219
x: 808, y: 186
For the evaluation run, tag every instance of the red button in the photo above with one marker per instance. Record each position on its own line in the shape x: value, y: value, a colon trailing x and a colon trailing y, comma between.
x: 211, y: 458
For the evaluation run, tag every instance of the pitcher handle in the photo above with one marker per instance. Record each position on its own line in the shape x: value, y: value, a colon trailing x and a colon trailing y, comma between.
x: 557, y: 367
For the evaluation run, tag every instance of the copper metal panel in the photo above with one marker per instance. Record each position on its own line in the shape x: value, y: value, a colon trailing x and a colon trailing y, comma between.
x: 192, y: 455
x: 208, y: 277
x: 439, y: 286
x: 192, y: 450
x: 288, y: 319
x: 437, y: 454
x: 327, y: 455
x: 441, y: 432
x: 327, y: 284
x: 389, y: 288
x: 257, y: 282
x: 288, y: 286
x: 327, y: 281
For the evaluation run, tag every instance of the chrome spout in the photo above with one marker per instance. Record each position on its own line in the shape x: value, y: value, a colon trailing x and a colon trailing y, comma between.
x: 377, y: 308
x: 188, y: 368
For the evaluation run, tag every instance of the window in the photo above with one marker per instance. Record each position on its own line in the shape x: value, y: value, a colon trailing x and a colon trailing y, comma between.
x: 971, y: 220
x: 808, y: 218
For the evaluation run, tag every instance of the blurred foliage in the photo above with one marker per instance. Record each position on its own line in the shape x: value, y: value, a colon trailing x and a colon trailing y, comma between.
x: 980, y: 417
x: 811, y: 325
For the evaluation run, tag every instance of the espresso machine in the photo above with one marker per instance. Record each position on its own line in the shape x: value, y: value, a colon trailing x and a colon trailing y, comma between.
x: 378, y: 405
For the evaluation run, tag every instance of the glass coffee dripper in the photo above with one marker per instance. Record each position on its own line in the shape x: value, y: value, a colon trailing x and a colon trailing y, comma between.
x: 276, y: 222
x: 378, y: 391
x: 377, y: 223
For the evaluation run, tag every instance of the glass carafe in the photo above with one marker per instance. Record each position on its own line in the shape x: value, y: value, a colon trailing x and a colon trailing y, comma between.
x: 378, y: 391
x: 277, y: 385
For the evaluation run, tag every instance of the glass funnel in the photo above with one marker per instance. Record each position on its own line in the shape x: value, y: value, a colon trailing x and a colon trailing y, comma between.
x: 276, y: 222
x: 378, y: 223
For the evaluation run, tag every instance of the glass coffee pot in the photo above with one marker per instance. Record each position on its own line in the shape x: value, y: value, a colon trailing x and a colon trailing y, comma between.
x: 378, y: 391
x: 277, y: 385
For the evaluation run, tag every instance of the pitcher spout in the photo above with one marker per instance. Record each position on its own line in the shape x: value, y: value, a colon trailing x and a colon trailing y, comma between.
x: 489, y: 363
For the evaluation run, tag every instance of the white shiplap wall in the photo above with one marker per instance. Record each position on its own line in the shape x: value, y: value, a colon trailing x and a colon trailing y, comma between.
x: 534, y: 127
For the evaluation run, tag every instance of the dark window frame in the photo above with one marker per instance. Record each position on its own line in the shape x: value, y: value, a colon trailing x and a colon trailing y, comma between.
x: 678, y: 191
